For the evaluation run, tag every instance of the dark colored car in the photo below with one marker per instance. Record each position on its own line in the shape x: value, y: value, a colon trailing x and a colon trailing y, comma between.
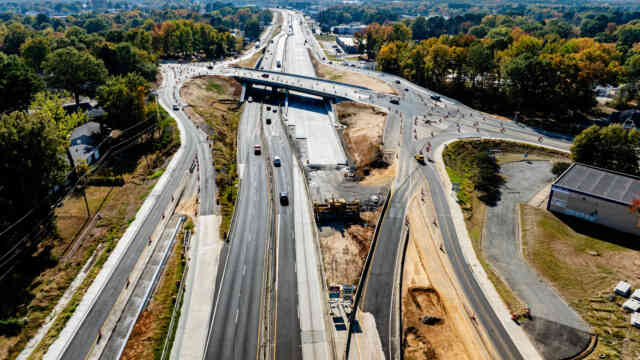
x: 284, y: 198
x: 435, y: 97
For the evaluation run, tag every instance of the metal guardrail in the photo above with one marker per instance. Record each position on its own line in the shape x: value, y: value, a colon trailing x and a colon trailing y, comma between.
x: 176, y: 305
x: 307, y: 78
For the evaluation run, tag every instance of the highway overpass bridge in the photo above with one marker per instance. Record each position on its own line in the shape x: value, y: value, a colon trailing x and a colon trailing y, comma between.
x: 327, y: 89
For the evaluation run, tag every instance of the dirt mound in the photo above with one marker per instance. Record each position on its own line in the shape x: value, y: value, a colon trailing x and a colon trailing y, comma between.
x: 427, y: 301
x: 362, y: 236
x: 418, y: 346
x: 363, y: 135
x: 425, y: 339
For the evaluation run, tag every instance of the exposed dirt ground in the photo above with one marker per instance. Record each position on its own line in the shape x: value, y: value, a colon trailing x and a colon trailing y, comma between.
x: 215, y: 108
x: 350, y: 77
x: 217, y: 94
x: 363, y: 135
x: 345, y: 247
x: 429, y: 289
x: 381, y: 176
x: 584, y: 262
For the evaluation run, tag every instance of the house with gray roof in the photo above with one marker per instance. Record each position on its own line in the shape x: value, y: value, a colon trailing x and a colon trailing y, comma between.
x: 84, y: 142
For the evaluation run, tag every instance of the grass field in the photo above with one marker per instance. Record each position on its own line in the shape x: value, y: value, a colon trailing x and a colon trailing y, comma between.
x: 584, y: 267
x: 463, y: 168
x: 214, y: 103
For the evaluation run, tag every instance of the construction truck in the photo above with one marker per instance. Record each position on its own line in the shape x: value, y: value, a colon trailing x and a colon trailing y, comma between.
x: 419, y: 158
x: 336, y: 208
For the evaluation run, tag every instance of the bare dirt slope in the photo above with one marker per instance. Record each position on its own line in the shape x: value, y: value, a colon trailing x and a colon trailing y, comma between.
x: 429, y: 290
x: 363, y: 135
x: 350, y: 77
x: 344, y: 249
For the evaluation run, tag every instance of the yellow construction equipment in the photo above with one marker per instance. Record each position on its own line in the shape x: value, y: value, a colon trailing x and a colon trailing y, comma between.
x: 336, y: 208
x: 420, y: 158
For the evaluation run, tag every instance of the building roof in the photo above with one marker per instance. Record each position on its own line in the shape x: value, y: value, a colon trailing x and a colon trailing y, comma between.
x: 347, y: 41
x: 601, y: 183
x: 83, y: 141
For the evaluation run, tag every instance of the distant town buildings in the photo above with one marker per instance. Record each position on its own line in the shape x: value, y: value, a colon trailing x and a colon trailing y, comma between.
x: 347, y: 44
x: 348, y: 29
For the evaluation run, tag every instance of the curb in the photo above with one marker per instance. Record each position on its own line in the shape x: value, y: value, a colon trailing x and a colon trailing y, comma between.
x: 57, y: 349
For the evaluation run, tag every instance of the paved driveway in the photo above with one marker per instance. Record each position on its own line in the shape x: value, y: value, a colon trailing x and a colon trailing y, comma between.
x: 502, y: 248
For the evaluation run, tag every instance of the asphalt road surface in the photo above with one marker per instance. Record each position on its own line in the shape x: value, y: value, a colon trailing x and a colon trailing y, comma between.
x: 502, y: 247
x: 236, y: 317
x: 87, y: 334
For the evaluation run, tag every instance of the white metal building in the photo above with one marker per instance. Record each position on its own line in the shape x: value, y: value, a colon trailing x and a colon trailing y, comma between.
x: 597, y: 195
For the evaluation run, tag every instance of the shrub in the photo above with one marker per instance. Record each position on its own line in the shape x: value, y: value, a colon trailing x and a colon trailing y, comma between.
x: 106, y: 181
x: 11, y: 326
x: 559, y: 167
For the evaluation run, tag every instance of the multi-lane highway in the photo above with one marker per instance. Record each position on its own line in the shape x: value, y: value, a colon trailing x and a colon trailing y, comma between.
x: 236, y: 316
x: 287, y: 326
x: 415, y: 101
x: 275, y: 123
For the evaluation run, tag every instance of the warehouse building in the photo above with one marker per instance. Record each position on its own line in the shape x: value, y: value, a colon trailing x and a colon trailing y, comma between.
x: 347, y: 44
x: 597, y: 195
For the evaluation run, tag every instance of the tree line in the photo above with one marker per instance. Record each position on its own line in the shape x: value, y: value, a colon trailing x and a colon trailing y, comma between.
x: 43, y: 67
x: 506, y: 70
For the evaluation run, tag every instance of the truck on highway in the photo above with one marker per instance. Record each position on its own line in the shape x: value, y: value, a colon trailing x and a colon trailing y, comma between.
x: 278, y: 64
x: 419, y: 158
x: 257, y: 149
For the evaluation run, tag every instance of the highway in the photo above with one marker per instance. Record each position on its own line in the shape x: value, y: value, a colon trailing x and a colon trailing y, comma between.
x: 236, y: 315
x: 298, y: 282
x: 287, y: 327
x: 415, y: 101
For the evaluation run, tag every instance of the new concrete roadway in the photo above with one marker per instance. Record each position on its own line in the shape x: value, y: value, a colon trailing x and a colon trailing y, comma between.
x: 415, y: 101
x: 236, y: 316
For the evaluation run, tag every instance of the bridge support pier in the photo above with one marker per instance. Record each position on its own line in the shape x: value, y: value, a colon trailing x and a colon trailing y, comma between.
x: 245, y: 88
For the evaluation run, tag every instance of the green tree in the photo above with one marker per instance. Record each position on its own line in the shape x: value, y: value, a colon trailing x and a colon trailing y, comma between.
x: 32, y: 155
x: 479, y: 31
x: 611, y: 147
x: 252, y: 29
x: 18, y: 83
x: 34, y: 51
x: 16, y: 35
x: 419, y: 28
x: 632, y: 67
x: 97, y: 24
x: 75, y: 71
x: 122, y: 97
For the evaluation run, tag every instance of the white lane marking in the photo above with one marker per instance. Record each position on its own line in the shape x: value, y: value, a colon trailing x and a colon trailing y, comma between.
x: 236, y: 319
x: 244, y: 270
